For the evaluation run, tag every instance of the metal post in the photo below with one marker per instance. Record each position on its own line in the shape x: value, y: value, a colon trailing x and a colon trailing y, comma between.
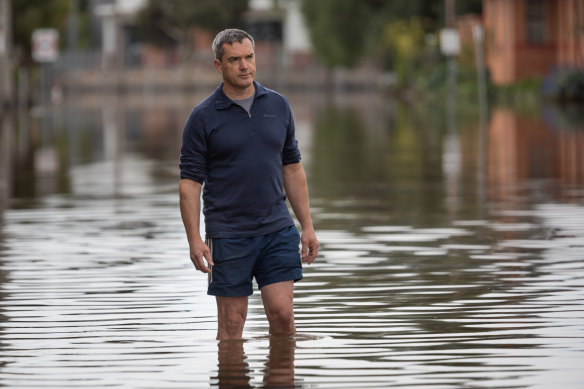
x: 71, y: 57
x: 478, y: 36
x: 452, y: 158
x: 450, y: 13
x: 22, y: 96
x: 5, y: 48
x: 73, y: 26
x: 450, y: 23
x: 6, y: 118
x: 6, y: 150
x: 44, y: 85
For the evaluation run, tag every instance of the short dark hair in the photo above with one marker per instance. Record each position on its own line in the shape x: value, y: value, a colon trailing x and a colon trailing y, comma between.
x: 229, y: 36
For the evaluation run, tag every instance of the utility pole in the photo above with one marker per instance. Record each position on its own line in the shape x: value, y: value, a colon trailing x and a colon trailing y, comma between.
x: 479, y: 38
x: 5, y: 103
x: 450, y: 25
x: 5, y: 48
x: 450, y: 14
x: 450, y: 46
x: 73, y: 26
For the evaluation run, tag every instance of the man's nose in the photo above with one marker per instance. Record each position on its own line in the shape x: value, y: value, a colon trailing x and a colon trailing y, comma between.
x: 243, y: 64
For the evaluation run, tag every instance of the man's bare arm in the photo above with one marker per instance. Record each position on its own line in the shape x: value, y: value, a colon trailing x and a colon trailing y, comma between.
x: 297, y: 192
x: 190, y: 211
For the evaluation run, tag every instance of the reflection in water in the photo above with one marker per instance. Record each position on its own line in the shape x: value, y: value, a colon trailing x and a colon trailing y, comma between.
x: 524, y: 148
x: 233, y: 370
x: 279, y: 370
x: 426, y: 278
x: 6, y: 130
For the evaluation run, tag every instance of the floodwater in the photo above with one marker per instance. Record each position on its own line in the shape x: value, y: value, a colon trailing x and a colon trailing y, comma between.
x: 452, y: 251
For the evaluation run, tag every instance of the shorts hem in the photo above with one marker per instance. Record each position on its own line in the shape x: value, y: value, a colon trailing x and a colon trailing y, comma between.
x: 230, y: 294
x: 281, y: 279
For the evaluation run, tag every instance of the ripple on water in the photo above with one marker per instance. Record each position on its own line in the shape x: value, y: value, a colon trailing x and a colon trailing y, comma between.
x: 97, y: 291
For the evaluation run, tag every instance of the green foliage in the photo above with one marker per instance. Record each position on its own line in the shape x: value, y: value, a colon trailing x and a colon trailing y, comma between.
x: 404, y: 10
x: 566, y: 84
x: 521, y: 94
x: 29, y: 15
x: 567, y: 116
x: 164, y: 23
x: 343, y: 32
x: 338, y: 29
x: 404, y: 39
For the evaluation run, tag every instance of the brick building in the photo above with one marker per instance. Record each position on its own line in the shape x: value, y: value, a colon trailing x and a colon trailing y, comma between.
x: 529, y: 38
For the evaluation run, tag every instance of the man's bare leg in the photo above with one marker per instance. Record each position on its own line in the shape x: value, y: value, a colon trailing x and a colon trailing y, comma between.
x: 279, y: 307
x: 231, y: 315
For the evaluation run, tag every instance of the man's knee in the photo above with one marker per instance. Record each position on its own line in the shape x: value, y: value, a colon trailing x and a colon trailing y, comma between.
x: 234, y: 321
x: 230, y: 326
x: 281, y: 320
x: 231, y: 315
x: 281, y: 315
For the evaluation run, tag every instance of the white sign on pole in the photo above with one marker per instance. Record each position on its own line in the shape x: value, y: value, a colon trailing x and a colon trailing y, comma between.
x: 449, y: 41
x: 45, y: 45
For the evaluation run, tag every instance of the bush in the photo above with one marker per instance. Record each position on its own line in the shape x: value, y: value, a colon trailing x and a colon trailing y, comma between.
x: 564, y: 84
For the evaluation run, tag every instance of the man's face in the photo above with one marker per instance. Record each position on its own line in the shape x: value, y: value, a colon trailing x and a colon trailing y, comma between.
x: 237, y: 65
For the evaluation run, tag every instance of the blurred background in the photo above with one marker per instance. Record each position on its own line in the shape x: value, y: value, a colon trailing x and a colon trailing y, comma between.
x: 511, y: 68
x: 444, y: 146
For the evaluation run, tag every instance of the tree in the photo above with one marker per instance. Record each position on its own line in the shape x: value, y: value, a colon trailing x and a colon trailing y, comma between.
x: 165, y: 23
x: 338, y: 30
x: 405, y: 40
x: 29, y: 15
x: 342, y: 32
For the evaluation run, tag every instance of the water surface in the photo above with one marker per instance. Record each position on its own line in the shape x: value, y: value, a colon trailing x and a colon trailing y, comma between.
x: 452, y: 252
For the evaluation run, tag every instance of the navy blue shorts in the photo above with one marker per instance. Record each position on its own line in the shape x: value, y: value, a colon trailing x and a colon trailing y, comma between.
x: 270, y: 258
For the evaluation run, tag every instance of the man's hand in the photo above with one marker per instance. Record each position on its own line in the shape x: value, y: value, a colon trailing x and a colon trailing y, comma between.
x: 200, y: 250
x: 309, y: 246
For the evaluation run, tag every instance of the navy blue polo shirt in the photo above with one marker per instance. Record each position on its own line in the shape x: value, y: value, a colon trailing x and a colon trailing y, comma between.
x: 238, y: 156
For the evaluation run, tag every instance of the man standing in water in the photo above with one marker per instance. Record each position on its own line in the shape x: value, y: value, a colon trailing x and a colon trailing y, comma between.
x: 240, y: 143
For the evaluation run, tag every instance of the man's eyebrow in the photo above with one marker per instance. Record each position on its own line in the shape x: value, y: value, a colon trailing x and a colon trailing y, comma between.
x: 233, y: 57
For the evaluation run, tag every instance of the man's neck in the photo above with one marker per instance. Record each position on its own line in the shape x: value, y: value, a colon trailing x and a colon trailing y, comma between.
x: 238, y: 94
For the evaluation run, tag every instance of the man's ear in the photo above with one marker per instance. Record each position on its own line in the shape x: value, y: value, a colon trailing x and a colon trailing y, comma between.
x: 217, y: 64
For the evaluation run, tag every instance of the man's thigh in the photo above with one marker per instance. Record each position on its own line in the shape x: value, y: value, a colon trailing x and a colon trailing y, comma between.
x: 278, y: 297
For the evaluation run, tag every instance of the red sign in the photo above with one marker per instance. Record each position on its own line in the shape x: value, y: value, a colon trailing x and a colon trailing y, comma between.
x: 45, y: 45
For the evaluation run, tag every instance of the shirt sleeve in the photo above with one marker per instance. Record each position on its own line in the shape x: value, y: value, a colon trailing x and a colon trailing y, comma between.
x: 193, y: 152
x: 290, y: 152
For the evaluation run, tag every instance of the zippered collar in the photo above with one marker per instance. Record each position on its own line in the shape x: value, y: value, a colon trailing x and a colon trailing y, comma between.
x: 224, y: 102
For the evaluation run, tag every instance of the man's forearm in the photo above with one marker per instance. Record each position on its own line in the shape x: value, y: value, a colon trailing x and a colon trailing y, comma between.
x: 190, y: 211
x: 190, y: 208
x: 297, y: 192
